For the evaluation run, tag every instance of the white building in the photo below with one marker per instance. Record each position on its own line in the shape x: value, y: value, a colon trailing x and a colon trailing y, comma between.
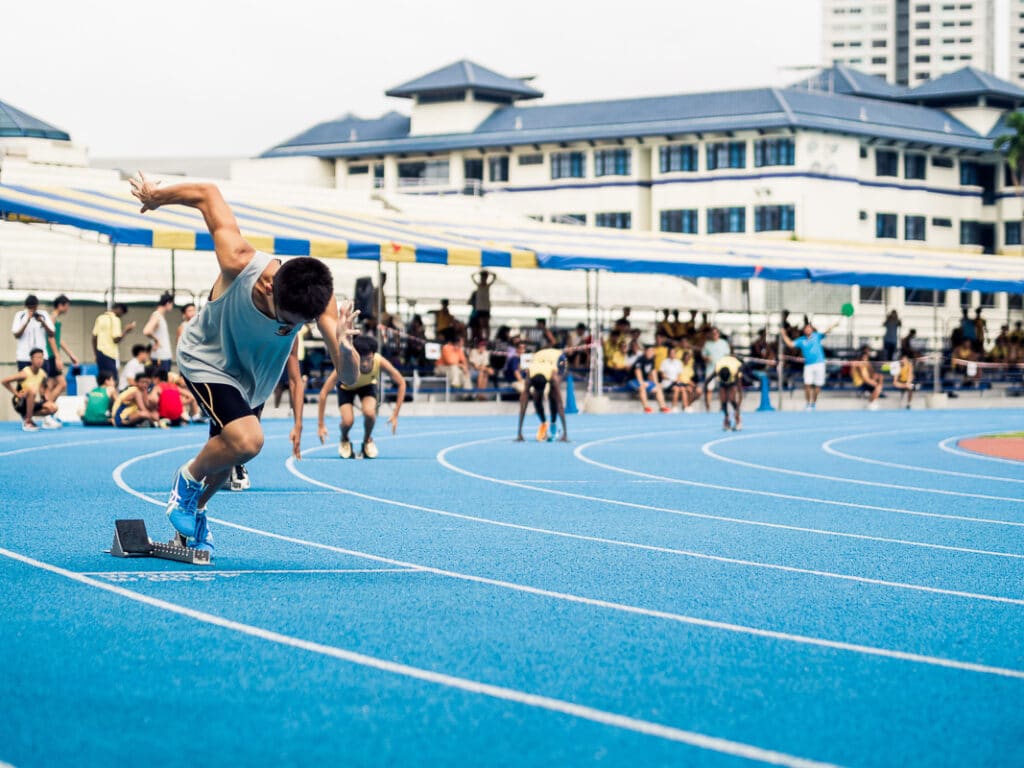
x: 1015, y: 23
x: 909, y: 41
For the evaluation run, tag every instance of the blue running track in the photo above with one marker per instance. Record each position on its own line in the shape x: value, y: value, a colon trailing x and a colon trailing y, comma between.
x: 819, y: 589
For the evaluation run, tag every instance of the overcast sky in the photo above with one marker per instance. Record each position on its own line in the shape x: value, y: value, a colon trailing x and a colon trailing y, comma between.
x: 226, y: 77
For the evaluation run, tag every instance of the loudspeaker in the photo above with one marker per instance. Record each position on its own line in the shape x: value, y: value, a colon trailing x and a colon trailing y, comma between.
x: 365, y: 297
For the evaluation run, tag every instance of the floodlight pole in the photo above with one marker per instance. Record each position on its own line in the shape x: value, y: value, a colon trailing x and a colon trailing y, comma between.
x: 173, y: 275
x: 113, y: 274
x: 937, y: 363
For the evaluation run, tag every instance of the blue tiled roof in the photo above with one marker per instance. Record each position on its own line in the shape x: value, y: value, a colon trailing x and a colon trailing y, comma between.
x: 462, y: 75
x: 757, y: 108
x: 14, y: 122
x: 840, y: 78
x: 968, y: 81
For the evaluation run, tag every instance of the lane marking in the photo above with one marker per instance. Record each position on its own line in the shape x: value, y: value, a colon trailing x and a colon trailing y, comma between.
x: 259, y: 572
x: 443, y: 460
x: 619, y: 607
x: 707, y: 450
x: 602, y: 717
x: 827, y: 446
x: 578, y: 453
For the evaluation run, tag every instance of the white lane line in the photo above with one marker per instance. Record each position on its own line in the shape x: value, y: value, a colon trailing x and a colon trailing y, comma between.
x: 602, y: 717
x: 578, y: 453
x: 619, y: 607
x: 443, y: 460
x: 945, y: 446
x: 707, y: 450
x: 73, y: 444
x: 258, y: 572
x: 828, y: 447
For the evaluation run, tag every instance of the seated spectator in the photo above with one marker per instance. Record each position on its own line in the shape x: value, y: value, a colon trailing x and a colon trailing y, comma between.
x: 764, y: 353
x: 135, y: 366
x: 865, y: 378
x: 689, y: 389
x: 616, y: 365
x: 669, y: 373
x: 664, y: 326
x: 480, y: 370
x: 27, y: 386
x: 132, y: 407
x: 415, y: 335
x: 98, y: 402
x: 453, y: 364
x: 165, y: 398
x: 513, y: 370
x: 195, y: 413
x: 903, y: 378
x: 644, y: 381
x: 661, y: 347
x: 540, y: 335
x: 908, y: 346
x: 965, y: 361
x: 578, y: 351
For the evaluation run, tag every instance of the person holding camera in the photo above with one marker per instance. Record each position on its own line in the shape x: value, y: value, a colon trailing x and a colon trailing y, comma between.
x: 33, y: 329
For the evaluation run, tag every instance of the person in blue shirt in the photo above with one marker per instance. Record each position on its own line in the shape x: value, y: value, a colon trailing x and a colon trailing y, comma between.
x: 814, y: 360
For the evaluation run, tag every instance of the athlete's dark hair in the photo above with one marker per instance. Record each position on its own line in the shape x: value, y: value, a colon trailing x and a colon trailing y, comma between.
x: 103, y: 377
x: 303, y: 286
x: 365, y: 344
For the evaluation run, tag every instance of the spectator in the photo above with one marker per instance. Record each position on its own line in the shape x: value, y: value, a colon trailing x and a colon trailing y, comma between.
x: 480, y: 370
x: 540, y: 335
x: 513, y: 371
x: 480, y: 322
x: 764, y: 353
x: 32, y: 329
x: 664, y: 326
x: 453, y: 364
x: 891, y: 339
x: 415, y: 340
x: 29, y: 397
x: 107, y: 334
x: 165, y: 398
x: 979, y: 330
x: 813, y: 353
x: 865, y: 378
x: 578, y: 350
x: 132, y: 407
x: 624, y: 320
x: 99, y: 400
x: 690, y: 326
x: 187, y: 313
x: 967, y: 329
x: 661, y: 347
x: 134, y: 367
x: 903, y: 378
x: 644, y: 381
x: 669, y: 373
x: 156, y: 329
x: 714, y: 349
x: 907, y: 346
x: 690, y: 391
x: 634, y: 349
x: 677, y: 328
x: 443, y: 320
x: 965, y: 362
x: 58, y: 384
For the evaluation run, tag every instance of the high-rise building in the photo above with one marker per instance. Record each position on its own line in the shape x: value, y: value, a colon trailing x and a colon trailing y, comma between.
x: 909, y: 41
x: 1016, y: 25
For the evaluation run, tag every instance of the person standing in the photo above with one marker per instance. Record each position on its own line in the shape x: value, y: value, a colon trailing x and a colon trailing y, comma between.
x: 107, y: 333
x: 187, y: 313
x: 58, y: 384
x: 891, y: 340
x: 156, y: 330
x: 481, y: 325
x: 232, y: 354
x: 32, y: 329
x: 814, y: 360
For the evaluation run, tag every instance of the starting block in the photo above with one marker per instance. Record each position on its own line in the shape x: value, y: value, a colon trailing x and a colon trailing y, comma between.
x: 132, y: 540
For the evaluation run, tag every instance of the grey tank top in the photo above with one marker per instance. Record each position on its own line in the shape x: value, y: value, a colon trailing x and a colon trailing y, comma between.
x: 231, y: 342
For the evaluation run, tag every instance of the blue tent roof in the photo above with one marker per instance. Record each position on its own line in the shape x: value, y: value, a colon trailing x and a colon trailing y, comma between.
x: 840, y: 78
x: 462, y: 75
x: 968, y: 81
x: 14, y: 122
x: 393, y: 125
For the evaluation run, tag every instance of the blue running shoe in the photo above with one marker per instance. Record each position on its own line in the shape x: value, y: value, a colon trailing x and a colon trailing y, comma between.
x: 181, y: 507
x: 203, y: 539
x: 553, y: 431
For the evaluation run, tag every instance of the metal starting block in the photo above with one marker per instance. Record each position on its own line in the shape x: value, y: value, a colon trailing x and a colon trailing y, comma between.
x: 132, y: 540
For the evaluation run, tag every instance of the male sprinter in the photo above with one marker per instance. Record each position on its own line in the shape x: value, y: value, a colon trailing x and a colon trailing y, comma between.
x: 365, y: 388
x: 545, y: 368
x: 232, y: 354
x: 729, y: 372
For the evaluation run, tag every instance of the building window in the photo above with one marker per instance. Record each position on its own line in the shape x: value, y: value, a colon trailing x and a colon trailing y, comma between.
x: 568, y: 165
x: 914, y: 166
x: 969, y: 174
x: 969, y: 233
x: 1011, y: 233
x: 677, y: 157
x: 531, y: 159
x: 987, y: 299
x: 569, y: 218
x: 497, y: 168
x: 871, y: 294
x: 617, y: 220
x: 429, y: 172
x: 879, y: 43
x: 613, y: 162
x: 774, y: 218
x: 922, y: 25
x: 878, y: 59
x: 923, y: 42
x: 682, y: 220
x: 913, y: 228
x: 727, y: 154
x: 942, y: 162
x: 922, y: 59
x: 863, y: 152
x: 774, y: 152
x: 887, y: 163
x: 727, y: 220
x: 885, y: 225
x: 942, y: 222
x: 924, y: 296
x: 359, y: 170
x: 473, y: 169
x: 922, y: 9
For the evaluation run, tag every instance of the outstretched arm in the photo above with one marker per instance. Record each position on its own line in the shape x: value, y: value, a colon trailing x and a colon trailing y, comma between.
x: 399, y: 380
x: 297, y: 394
x: 321, y: 405
x: 233, y: 251
x: 337, y: 326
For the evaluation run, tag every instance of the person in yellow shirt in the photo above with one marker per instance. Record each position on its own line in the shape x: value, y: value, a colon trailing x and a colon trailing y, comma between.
x: 28, y: 394
x: 865, y: 378
x: 365, y: 387
x: 729, y: 371
x: 903, y: 378
x: 132, y: 407
x: 107, y: 334
x: 544, y: 372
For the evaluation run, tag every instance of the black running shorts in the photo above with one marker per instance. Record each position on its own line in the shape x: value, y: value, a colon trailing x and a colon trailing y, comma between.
x: 222, y: 403
x: 348, y: 396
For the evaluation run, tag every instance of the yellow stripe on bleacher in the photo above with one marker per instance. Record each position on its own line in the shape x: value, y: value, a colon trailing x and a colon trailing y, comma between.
x: 464, y: 257
x: 524, y: 260
x: 328, y: 249
x: 169, y: 238
x: 402, y: 253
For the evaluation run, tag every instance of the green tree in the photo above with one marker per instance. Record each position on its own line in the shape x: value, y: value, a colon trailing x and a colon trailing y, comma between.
x: 1011, y: 146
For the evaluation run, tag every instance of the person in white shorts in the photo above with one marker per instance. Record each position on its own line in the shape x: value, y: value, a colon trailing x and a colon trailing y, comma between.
x: 814, y: 360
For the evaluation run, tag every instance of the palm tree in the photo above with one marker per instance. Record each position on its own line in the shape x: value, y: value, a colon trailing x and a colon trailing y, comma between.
x: 1011, y: 145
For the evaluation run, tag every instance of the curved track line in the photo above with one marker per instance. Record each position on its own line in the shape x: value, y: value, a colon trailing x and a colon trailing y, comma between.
x: 706, y: 450
x: 443, y: 460
x: 827, y: 446
x: 645, y: 727
x: 774, y: 494
x: 944, y: 445
x: 914, y: 658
